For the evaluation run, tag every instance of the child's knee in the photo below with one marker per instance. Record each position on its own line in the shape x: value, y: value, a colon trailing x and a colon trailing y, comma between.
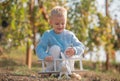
x: 54, y: 50
x: 55, y: 47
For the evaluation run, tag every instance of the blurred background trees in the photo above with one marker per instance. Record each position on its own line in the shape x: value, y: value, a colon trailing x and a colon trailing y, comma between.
x: 22, y: 20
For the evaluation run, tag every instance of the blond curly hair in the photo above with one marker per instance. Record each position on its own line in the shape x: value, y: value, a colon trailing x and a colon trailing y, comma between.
x: 58, y: 11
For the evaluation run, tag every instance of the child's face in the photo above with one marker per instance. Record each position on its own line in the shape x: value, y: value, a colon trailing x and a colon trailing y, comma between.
x: 58, y: 23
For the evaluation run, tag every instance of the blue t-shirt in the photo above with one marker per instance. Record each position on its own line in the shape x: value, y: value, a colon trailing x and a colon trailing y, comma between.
x: 63, y: 40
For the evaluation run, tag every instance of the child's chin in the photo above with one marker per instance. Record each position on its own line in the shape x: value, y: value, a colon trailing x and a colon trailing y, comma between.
x: 59, y: 32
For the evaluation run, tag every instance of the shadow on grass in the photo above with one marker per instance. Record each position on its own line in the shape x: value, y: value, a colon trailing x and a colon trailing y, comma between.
x: 8, y: 62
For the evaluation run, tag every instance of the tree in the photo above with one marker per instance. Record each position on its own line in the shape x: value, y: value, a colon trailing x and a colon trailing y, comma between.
x: 80, y: 18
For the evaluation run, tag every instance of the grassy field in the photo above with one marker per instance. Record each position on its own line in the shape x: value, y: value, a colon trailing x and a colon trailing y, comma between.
x: 13, y: 68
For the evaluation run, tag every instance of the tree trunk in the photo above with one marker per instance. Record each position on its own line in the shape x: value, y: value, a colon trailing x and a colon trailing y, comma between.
x: 107, y: 54
x: 107, y: 61
x: 42, y: 8
x: 28, y: 55
x: 106, y: 2
x: 28, y: 49
x: 32, y: 2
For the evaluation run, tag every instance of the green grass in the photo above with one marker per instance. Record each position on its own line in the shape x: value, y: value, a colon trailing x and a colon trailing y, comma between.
x: 15, y: 61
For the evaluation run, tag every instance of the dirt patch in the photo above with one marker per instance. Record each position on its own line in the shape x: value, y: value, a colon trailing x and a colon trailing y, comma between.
x: 86, y: 76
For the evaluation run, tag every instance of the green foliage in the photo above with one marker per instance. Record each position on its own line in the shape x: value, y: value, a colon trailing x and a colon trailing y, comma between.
x: 18, y: 27
x: 41, y: 24
x: 106, y: 25
x: 80, y: 17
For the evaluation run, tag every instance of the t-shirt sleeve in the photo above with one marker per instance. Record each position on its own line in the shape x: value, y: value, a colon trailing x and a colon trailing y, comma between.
x: 42, y: 46
x: 77, y: 45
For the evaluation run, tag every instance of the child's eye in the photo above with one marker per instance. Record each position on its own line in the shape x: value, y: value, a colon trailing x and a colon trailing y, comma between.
x: 62, y: 23
x: 56, y: 23
x: 59, y: 23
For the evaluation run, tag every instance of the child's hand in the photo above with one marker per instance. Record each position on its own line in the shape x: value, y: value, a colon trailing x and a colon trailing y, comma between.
x: 49, y: 58
x: 70, y: 52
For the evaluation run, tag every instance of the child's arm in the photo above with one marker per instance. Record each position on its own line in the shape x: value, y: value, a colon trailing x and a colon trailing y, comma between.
x: 77, y: 45
x: 49, y: 58
x: 42, y: 46
x: 70, y: 51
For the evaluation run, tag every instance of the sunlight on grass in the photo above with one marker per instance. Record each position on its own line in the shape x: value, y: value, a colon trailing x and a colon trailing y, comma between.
x: 23, y: 70
x: 16, y: 61
x: 19, y: 55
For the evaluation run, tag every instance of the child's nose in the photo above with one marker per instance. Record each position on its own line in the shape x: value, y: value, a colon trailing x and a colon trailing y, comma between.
x: 60, y: 25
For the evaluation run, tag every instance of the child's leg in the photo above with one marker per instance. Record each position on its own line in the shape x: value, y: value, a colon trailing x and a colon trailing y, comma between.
x: 49, y: 66
x: 71, y: 62
x: 55, y: 52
